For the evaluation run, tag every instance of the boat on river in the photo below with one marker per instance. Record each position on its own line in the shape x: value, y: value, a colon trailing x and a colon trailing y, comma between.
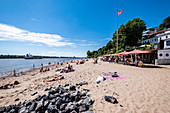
x: 29, y: 56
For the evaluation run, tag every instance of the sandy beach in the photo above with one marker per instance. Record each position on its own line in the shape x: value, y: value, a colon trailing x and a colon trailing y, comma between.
x: 144, y: 90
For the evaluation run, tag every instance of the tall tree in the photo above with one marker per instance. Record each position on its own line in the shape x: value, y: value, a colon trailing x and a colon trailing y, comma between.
x: 165, y: 23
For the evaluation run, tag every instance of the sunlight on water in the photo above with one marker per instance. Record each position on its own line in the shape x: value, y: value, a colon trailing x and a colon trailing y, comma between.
x: 7, y: 65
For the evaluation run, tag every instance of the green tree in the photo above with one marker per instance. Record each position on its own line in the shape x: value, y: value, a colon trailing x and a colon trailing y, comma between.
x: 88, y: 54
x: 165, y: 23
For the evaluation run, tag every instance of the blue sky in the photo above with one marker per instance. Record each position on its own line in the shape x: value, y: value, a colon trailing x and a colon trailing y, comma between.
x: 69, y: 27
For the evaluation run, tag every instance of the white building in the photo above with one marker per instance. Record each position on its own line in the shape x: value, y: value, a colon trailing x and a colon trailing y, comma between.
x: 156, y: 37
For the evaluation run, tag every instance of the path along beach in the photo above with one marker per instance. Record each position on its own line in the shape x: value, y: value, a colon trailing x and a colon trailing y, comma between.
x: 144, y: 90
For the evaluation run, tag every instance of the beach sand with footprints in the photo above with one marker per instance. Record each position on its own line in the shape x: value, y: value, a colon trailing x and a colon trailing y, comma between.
x: 144, y: 90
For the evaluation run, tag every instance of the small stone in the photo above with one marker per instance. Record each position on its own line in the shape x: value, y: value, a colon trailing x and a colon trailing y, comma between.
x: 73, y: 88
x: 38, y: 98
x: 83, y: 83
x: 111, y: 99
x: 66, y: 85
x: 87, y: 90
x: 17, y: 99
x: 46, y: 89
x: 34, y: 93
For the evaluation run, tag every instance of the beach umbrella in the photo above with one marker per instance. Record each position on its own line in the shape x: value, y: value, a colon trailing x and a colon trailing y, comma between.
x: 123, y: 53
x: 139, y: 52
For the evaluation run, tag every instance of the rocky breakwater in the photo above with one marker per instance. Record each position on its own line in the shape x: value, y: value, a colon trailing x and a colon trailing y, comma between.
x: 60, y: 99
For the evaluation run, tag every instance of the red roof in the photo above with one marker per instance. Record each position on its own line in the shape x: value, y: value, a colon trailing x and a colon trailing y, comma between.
x: 158, y: 32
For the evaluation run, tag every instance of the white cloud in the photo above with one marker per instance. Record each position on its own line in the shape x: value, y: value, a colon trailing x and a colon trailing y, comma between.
x: 105, y: 39
x: 12, y: 33
x: 33, y: 19
x: 80, y: 40
x: 88, y: 44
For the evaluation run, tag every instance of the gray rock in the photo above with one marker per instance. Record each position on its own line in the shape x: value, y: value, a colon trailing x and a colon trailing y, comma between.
x: 58, y: 102
x: 22, y: 110
x: 82, y: 108
x: 17, y: 99
x: 86, y: 101
x: 52, y: 92
x: 62, y: 107
x: 28, y: 103
x: 66, y: 85
x: 73, y: 88
x: 2, y: 109
x: 46, y: 103
x: 111, y: 99
x: 38, y: 98
x: 12, y: 111
x: 46, y: 89
x: 40, y: 105
x: 52, y: 109
x: 83, y: 83
x: 51, y: 96
x: 34, y: 93
x: 74, y: 111
x: 32, y: 107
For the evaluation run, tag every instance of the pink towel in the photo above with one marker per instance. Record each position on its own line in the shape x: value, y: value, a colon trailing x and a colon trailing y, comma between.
x: 109, y: 75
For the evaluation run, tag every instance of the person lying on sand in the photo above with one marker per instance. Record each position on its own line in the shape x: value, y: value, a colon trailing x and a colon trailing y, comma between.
x: 8, y: 86
x: 56, y: 78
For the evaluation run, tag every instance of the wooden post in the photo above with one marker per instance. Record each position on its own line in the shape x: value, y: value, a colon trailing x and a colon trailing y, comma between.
x: 117, y: 34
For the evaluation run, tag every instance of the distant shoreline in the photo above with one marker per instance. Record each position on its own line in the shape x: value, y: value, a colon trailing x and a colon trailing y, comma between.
x: 23, y: 56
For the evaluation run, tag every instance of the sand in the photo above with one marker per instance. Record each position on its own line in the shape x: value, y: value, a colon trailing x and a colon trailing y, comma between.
x: 145, y: 90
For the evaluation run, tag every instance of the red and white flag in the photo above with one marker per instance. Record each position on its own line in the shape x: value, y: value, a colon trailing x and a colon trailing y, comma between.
x: 119, y: 12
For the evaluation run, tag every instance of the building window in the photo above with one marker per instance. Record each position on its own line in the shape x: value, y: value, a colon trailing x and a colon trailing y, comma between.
x: 167, y: 54
x: 168, y: 43
x: 166, y: 36
x: 155, y: 40
x: 160, y: 54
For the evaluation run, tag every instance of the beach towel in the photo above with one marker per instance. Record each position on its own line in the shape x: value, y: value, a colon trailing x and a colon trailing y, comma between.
x: 110, y: 76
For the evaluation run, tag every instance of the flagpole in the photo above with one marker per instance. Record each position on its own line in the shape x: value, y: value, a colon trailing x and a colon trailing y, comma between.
x: 117, y: 34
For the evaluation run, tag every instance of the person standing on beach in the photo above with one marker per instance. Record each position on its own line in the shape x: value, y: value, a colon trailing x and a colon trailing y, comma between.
x: 33, y: 66
x: 109, y: 59
x: 41, y: 69
x: 14, y: 72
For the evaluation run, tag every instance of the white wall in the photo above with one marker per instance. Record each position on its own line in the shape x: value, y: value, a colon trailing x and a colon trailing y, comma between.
x: 164, y: 54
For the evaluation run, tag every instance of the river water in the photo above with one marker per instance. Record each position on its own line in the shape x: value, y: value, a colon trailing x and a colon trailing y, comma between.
x: 7, y: 65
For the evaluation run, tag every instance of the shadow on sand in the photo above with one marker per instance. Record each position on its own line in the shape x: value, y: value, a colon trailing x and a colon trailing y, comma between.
x: 148, y: 66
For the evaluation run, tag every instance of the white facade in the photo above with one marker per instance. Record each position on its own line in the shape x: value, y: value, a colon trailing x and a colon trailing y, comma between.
x: 163, y: 54
x: 150, y: 30
x: 158, y: 37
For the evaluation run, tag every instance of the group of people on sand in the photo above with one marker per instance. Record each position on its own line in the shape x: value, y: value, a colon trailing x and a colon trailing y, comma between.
x: 8, y: 86
x: 125, y: 60
x: 16, y: 74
